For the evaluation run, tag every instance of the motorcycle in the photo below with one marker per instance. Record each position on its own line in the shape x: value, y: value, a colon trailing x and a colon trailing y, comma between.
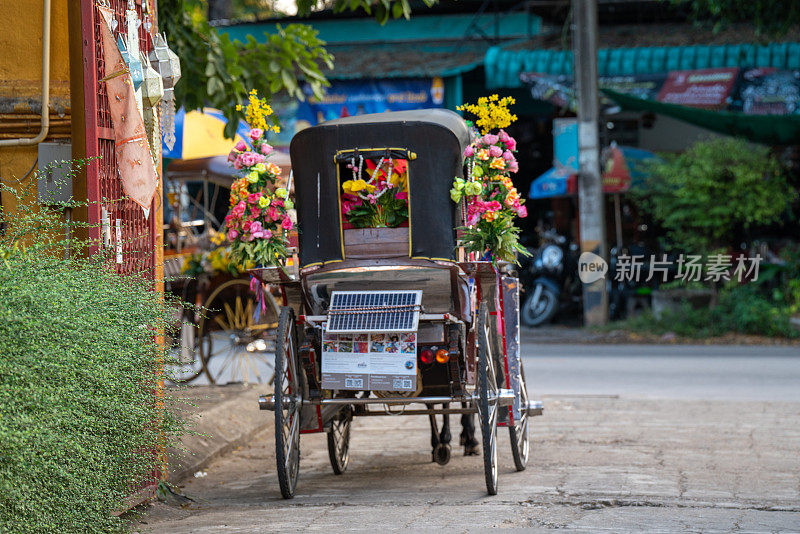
x: 549, y: 278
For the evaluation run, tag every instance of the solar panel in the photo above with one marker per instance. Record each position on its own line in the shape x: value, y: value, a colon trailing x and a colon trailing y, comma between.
x: 374, y: 311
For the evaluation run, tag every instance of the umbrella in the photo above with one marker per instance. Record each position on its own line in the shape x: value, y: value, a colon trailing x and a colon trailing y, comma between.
x: 621, y: 166
x: 199, y: 134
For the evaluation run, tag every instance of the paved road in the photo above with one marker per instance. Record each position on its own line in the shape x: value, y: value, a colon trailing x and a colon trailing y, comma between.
x: 665, y: 371
x: 634, y: 438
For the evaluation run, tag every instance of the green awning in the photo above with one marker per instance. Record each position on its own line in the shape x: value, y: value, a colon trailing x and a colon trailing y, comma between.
x: 766, y: 129
x: 504, y: 66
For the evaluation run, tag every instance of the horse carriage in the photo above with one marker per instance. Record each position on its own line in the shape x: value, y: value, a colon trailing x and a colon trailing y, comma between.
x: 219, y: 338
x: 392, y: 320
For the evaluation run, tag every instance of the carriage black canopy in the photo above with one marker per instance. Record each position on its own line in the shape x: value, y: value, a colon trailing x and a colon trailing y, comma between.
x: 437, y: 138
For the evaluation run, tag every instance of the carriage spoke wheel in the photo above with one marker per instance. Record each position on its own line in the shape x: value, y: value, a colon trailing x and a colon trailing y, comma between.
x: 339, y: 440
x: 230, y: 341
x: 488, y: 401
x: 288, y: 402
x: 520, y: 444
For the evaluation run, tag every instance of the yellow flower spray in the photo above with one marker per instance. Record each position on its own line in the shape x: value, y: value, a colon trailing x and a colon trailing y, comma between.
x: 257, y: 111
x: 492, y: 112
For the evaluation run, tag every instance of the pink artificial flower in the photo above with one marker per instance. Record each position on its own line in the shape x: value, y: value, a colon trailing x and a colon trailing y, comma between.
x: 232, y: 156
x: 232, y: 234
x: 255, y: 133
x: 287, y: 223
x: 273, y: 214
x: 241, y: 146
x: 401, y: 195
x: 246, y: 226
x: 522, y: 211
x: 247, y: 159
x: 266, y: 149
x: 255, y: 213
x: 507, y: 155
x: 238, y: 209
x: 513, y: 166
x: 490, y: 139
x: 256, y: 230
x: 259, y: 158
x: 252, y: 198
x: 503, y: 136
x: 237, y: 164
x: 495, y: 151
x: 494, y: 205
x: 277, y: 202
x: 511, y: 144
x: 469, y: 151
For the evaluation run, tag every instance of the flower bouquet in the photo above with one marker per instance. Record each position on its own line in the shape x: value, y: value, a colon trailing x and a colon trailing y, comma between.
x: 380, y: 201
x: 258, y: 223
x: 488, y: 199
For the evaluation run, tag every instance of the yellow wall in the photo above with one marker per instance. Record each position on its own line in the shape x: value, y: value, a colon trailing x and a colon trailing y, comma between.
x: 21, y: 82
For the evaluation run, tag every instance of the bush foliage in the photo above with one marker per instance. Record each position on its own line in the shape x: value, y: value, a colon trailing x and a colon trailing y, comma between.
x: 710, y: 194
x: 742, y: 309
x: 79, y: 419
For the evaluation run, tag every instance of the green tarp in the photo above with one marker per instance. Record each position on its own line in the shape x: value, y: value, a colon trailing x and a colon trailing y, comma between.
x: 766, y: 129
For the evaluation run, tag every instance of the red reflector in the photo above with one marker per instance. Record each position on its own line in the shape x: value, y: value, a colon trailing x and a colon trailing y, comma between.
x: 426, y: 356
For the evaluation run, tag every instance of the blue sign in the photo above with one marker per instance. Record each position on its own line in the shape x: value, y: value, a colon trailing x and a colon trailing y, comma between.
x: 565, y: 145
x: 345, y: 98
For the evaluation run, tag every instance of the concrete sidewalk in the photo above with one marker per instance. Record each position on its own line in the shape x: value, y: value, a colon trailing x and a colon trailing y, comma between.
x: 597, y: 464
x: 223, y: 417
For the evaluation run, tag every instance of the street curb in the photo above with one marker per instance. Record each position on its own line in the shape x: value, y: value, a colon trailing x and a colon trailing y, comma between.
x: 216, y: 431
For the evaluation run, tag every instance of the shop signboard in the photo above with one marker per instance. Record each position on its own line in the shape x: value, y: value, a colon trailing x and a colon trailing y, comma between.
x: 768, y: 91
x: 702, y: 88
x: 345, y: 98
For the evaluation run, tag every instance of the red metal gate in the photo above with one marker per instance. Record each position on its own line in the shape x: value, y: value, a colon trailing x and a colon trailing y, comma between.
x: 131, y: 234
x: 133, y: 241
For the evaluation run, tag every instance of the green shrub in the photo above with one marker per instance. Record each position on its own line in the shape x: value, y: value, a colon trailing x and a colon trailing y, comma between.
x: 715, y: 190
x: 79, y: 367
x: 741, y: 308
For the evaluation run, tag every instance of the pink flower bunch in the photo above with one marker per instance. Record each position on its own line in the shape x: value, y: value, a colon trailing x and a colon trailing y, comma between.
x: 258, y: 215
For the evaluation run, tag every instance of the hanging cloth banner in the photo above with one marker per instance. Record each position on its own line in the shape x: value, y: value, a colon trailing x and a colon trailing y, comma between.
x: 134, y: 160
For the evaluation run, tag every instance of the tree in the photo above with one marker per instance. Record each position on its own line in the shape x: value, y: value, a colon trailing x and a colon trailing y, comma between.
x: 219, y: 72
x: 770, y: 17
x: 712, y: 195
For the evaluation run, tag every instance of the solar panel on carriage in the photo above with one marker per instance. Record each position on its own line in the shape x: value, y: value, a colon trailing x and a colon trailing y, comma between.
x: 374, y: 311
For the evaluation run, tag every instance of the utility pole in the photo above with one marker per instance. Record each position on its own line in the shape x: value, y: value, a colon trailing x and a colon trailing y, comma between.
x: 590, y: 185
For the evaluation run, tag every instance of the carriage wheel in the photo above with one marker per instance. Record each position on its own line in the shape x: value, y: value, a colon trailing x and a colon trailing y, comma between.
x: 339, y: 441
x: 487, y: 401
x: 288, y: 402
x: 520, y: 444
x: 230, y: 341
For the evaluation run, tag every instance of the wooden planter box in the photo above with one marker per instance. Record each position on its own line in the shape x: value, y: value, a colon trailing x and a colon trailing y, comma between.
x: 371, y: 243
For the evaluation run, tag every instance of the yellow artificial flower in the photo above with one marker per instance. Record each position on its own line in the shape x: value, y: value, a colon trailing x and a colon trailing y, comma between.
x: 352, y: 187
x: 260, y: 167
x: 498, y: 163
x: 483, y: 154
x: 263, y: 202
x: 257, y: 111
x: 490, y: 216
x: 492, y: 112
x: 273, y: 169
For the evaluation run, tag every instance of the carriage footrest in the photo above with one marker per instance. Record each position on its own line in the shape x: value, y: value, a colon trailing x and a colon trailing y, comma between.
x: 535, y: 408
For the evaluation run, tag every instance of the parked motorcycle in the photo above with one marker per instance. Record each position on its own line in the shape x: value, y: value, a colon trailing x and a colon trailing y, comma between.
x: 551, y: 284
x: 549, y: 278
